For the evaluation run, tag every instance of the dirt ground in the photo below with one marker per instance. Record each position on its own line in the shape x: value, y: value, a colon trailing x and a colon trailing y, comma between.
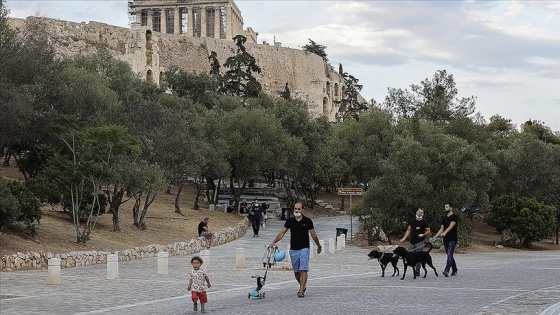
x: 56, y: 231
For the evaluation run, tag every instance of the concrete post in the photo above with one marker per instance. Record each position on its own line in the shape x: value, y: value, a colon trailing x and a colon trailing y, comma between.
x: 339, y: 243
x: 240, y: 257
x: 53, y: 272
x: 112, y: 266
x: 311, y: 250
x: 205, y: 255
x: 163, y: 263
x: 322, y: 243
x: 332, y: 249
x: 288, y: 258
x: 343, y: 238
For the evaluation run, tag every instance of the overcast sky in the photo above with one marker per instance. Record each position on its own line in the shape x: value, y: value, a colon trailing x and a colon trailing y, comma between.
x: 506, y: 53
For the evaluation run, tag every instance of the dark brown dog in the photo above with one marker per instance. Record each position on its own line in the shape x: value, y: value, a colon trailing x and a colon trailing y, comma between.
x: 412, y: 258
x: 384, y: 259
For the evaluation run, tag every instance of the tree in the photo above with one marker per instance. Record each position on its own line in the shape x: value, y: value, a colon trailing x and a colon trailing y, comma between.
x: 256, y: 140
x: 351, y: 104
x: 363, y: 144
x: 434, y: 100
x: 320, y: 168
x: 238, y: 79
x: 18, y: 204
x: 543, y: 132
x: 148, y: 181
x: 429, y: 171
x: 83, y: 165
x: 521, y: 220
x: 316, y: 49
x: 200, y: 88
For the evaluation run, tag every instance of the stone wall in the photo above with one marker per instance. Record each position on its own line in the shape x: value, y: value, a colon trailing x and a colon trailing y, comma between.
x: 150, y: 53
x: 22, y: 261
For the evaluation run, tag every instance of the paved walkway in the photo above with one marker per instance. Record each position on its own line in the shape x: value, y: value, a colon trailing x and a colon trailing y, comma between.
x: 341, y: 283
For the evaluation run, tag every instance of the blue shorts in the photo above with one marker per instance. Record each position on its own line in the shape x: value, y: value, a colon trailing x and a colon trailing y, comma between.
x: 300, y: 259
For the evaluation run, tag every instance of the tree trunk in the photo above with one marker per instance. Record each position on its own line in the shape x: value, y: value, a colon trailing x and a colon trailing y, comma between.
x: 147, y: 203
x: 114, y: 205
x: 177, y: 199
x: 558, y: 231
x: 288, y: 188
x: 210, y: 189
x: 136, y: 208
x: 196, y: 206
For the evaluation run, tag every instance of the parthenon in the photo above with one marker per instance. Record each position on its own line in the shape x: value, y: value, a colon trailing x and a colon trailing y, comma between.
x: 220, y: 19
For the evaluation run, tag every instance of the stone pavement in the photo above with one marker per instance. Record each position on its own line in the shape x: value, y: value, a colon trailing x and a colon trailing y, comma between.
x: 341, y: 283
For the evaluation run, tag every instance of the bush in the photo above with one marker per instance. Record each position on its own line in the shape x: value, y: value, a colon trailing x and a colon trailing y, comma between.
x: 521, y: 220
x: 18, y: 204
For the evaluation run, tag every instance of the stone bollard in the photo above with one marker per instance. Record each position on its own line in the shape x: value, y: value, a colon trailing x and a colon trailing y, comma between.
x: 240, y: 257
x: 339, y: 243
x: 288, y: 258
x: 112, y: 266
x: 53, y: 272
x: 162, y: 263
x: 311, y: 250
x: 331, y: 246
x: 343, y: 239
x: 322, y: 243
x: 205, y: 255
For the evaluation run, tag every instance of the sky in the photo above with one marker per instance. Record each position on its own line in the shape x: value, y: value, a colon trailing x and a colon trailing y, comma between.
x: 505, y: 53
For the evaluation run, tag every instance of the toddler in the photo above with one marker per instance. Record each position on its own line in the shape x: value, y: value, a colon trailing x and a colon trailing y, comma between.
x: 197, y: 282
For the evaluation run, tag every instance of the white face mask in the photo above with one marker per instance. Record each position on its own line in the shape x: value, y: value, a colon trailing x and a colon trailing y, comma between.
x: 297, y: 214
x: 419, y: 217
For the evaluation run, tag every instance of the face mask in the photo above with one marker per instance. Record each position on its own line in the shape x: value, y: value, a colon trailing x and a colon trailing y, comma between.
x: 446, y: 210
x: 297, y: 214
x: 419, y: 217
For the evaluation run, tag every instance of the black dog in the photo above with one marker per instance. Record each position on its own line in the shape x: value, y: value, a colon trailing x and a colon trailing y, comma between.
x: 384, y: 259
x: 412, y: 258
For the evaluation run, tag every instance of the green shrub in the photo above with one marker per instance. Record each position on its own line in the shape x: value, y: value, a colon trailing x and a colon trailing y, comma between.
x: 18, y: 204
x: 521, y: 220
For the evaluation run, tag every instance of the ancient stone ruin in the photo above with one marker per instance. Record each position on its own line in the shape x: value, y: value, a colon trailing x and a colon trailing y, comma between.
x: 182, y: 33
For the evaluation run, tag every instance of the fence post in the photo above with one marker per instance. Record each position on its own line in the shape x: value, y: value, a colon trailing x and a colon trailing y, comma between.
x: 53, y: 272
x: 112, y: 266
x: 240, y: 257
x: 331, y: 246
x: 163, y: 265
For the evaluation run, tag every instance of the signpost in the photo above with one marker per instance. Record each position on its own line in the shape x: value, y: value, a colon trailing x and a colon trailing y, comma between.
x: 350, y: 191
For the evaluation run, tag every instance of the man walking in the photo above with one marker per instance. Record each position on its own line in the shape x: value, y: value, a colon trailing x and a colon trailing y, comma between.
x: 256, y: 214
x: 300, y: 227
x: 448, y: 230
x: 418, y: 229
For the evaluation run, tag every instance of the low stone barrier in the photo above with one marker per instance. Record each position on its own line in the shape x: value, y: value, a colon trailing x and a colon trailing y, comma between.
x: 22, y: 261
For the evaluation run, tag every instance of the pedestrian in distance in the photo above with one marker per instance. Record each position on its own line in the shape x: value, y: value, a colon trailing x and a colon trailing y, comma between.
x: 448, y: 231
x: 198, y: 284
x: 244, y: 207
x: 300, y: 228
x: 418, y: 229
x: 257, y: 215
x: 203, y: 230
